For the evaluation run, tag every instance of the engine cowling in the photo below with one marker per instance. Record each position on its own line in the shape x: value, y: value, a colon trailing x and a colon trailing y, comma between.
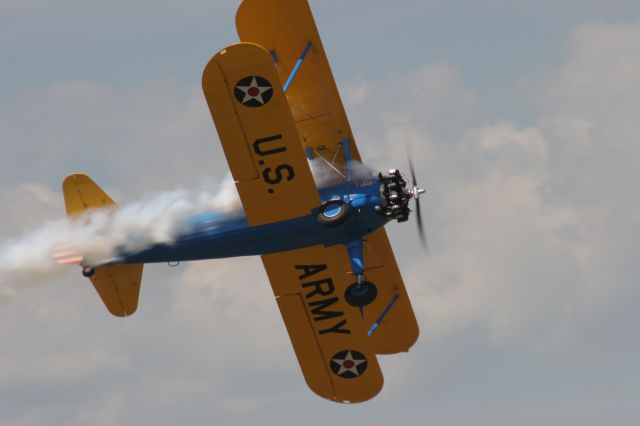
x: 394, y: 195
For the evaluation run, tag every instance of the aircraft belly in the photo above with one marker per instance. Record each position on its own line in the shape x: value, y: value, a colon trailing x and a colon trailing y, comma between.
x: 219, y: 243
x: 212, y: 236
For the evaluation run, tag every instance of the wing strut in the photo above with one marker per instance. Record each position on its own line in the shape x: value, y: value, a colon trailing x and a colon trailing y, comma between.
x: 347, y: 158
x: 294, y: 71
x: 384, y: 314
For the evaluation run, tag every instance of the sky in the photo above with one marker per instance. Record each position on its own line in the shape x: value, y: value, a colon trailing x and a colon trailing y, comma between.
x: 522, y: 120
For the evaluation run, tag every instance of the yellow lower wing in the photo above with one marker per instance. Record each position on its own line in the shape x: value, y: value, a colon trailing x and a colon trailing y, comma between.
x: 398, y: 330
x: 117, y: 285
x: 329, y: 336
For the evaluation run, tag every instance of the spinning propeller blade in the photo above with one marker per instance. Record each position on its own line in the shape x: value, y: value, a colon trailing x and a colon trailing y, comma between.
x: 415, y: 192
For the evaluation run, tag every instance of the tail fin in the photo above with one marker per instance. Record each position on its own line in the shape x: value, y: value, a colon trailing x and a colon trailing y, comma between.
x: 117, y: 285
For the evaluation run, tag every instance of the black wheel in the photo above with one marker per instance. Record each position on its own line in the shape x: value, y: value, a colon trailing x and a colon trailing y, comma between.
x: 361, y: 295
x: 88, y: 271
x: 333, y: 213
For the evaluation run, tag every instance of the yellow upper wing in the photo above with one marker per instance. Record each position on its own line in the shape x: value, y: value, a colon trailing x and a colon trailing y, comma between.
x: 284, y: 27
x: 258, y: 135
x: 328, y: 335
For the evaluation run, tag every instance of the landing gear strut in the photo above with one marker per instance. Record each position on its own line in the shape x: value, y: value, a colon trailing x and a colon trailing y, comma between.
x: 362, y: 292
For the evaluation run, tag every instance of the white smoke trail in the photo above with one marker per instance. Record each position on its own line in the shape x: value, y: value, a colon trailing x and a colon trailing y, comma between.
x: 99, y: 233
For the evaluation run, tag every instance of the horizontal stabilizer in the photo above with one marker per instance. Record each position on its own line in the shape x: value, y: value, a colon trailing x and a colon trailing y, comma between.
x: 117, y: 285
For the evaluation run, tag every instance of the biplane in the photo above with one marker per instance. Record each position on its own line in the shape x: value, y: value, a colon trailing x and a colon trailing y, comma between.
x: 334, y: 276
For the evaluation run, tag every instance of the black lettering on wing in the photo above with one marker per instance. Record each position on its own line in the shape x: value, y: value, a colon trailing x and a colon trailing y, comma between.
x: 261, y: 150
x: 336, y: 328
x: 310, y: 270
x: 318, y: 309
x: 275, y: 176
x: 322, y: 287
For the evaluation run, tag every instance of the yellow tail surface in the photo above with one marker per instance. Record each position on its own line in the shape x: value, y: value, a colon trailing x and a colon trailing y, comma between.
x: 117, y: 285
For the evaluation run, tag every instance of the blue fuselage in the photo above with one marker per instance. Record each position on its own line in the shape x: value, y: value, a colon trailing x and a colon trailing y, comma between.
x: 215, y: 235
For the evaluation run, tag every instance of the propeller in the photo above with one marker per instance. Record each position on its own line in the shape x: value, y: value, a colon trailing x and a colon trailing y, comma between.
x: 415, y: 194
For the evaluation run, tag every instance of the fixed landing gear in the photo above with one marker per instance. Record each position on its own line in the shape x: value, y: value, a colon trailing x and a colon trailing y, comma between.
x: 361, y: 294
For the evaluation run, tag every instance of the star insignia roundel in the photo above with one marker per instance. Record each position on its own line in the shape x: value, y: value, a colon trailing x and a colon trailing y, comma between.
x: 253, y: 91
x: 348, y: 364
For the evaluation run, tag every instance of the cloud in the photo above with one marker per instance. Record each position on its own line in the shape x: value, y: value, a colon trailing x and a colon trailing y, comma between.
x: 602, y: 62
x: 90, y: 127
x: 521, y: 217
x: 27, y: 205
x: 503, y: 261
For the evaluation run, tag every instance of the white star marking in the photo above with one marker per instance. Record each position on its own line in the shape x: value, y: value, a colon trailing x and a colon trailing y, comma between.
x: 256, y: 93
x: 351, y: 364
